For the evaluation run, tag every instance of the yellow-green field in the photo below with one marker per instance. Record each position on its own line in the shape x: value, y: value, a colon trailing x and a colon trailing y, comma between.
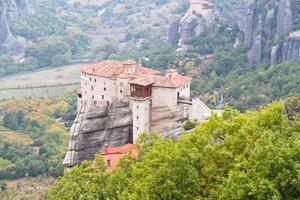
x: 43, y: 83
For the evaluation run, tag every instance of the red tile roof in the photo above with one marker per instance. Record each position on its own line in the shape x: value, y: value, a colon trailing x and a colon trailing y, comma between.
x: 143, y: 81
x: 140, y: 75
x: 112, y: 68
x: 118, y: 150
x: 174, y: 81
x: 112, y: 155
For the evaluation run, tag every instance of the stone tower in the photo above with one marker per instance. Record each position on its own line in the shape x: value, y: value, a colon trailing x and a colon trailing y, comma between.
x: 141, y: 91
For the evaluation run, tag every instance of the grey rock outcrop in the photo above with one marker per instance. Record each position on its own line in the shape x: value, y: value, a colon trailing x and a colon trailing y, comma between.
x: 191, y: 25
x: 284, y: 17
x: 275, y: 55
x: 8, y: 10
x: 5, y: 33
x: 291, y: 47
x: 245, y: 16
x: 254, y: 54
x: 269, y: 23
x: 98, y: 124
x: 172, y: 32
x: 262, y: 23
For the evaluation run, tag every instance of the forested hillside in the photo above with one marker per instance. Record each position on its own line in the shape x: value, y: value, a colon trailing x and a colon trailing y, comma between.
x: 236, y: 156
x: 245, y: 59
x: 62, y: 32
x: 34, y: 136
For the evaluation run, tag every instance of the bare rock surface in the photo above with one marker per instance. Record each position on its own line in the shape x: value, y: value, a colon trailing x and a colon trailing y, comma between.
x: 8, y: 10
x: 98, y: 124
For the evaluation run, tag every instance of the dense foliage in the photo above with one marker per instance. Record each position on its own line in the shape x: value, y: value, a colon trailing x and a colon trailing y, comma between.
x: 33, y: 137
x: 235, y: 156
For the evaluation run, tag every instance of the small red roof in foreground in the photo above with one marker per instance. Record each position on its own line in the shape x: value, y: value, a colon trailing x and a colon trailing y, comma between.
x: 112, y: 155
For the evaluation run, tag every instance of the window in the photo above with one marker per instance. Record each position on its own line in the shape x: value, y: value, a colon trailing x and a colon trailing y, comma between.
x: 92, y: 88
x: 121, y: 91
x: 104, y: 89
x: 108, y: 163
x: 102, y: 96
x: 137, y: 107
x: 137, y: 117
x: 90, y: 78
x: 95, y: 80
x: 93, y: 97
x: 137, y: 128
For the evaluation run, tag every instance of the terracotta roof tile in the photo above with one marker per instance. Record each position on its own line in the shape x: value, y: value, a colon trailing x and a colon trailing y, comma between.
x: 144, y: 81
x: 141, y: 75
x: 119, y: 150
x: 172, y: 81
x: 112, y: 68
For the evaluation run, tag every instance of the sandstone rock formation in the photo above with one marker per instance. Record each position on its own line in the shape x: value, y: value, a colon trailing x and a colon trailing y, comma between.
x: 5, y: 33
x: 291, y: 47
x: 284, y: 17
x: 254, y: 54
x: 9, y: 9
x: 261, y: 29
x: 191, y: 25
x: 245, y: 16
x: 98, y: 124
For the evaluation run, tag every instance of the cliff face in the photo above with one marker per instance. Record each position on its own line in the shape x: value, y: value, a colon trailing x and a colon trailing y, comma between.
x: 262, y: 23
x: 5, y: 33
x: 191, y: 25
x: 9, y: 9
x: 96, y: 125
x: 291, y: 47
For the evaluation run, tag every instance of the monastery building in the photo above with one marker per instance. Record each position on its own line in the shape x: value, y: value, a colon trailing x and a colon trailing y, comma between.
x: 145, y: 88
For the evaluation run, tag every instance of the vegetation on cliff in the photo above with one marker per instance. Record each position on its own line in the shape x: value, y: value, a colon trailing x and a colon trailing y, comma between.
x: 254, y: 155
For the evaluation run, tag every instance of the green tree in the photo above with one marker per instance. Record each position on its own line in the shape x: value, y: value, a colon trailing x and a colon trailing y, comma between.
x: 254, y: 155
x: 87, y: 181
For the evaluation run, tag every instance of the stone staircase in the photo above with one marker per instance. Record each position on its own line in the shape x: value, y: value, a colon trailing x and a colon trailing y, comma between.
x: 167, y: 122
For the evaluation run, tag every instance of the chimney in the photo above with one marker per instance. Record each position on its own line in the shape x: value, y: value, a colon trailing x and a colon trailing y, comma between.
x: 171, y: 72
x: 129, y: 66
